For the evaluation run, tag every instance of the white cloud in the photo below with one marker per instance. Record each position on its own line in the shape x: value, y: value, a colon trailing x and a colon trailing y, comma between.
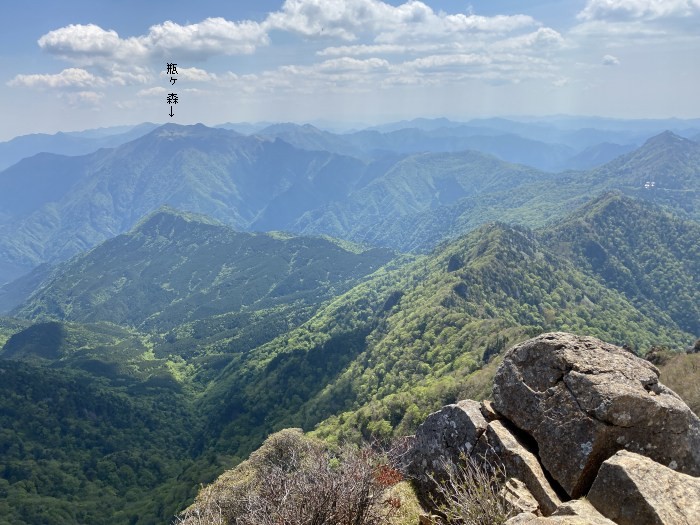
x: 349, y: 19
x: 610, y: 60
x: 68, y: 78
x: 211, y: 37
x: 345, y: 64
x: 543, y: 38
x: 152, y: 92
x: 92, y: 45
x: 638, y: 9
x: 441, y: 62
x: 194, y: 74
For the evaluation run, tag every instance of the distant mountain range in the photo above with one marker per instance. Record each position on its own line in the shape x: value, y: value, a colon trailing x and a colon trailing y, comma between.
x: 53, y: 207
x: 69, y: 143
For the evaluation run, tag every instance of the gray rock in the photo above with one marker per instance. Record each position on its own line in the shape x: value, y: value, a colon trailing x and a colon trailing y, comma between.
x: 517, y: 494
x: 576, y: 512
x: 582, y: 400
x: 489, y: 412
x: 631, y: 489
x: 498, y: 445
x: 443, y: 437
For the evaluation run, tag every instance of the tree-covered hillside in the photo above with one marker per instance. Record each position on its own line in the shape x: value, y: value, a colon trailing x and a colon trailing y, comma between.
x: 391, y: 349
x: 402, y: 201
x: 166, y: 354
x: 175, y: 268
x: 649, y: 255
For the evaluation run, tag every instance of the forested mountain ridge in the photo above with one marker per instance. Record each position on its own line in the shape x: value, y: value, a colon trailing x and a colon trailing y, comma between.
x: 233, y: 178
x: 257, y: 184
x: 175, y: 267
x: 389, y: 349
x: 650, y: 255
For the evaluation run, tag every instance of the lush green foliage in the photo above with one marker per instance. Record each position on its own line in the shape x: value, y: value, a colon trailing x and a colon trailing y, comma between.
x: 407, y: 340
x: 235, y: 336
x: 75, y: 448
x: 173, y: 268
x: 651, y: 256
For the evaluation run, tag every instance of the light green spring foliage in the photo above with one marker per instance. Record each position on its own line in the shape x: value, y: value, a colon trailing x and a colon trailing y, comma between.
x: 369, y: 363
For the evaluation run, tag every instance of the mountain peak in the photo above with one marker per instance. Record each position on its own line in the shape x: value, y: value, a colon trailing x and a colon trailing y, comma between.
x: 170, y: 215
x: 666, y: 139
x: 171, y: 131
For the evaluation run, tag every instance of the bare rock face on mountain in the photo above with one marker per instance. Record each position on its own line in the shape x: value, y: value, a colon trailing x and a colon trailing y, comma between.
x: 582, y: 400
x: 443, y: 437
x: 632, y: 489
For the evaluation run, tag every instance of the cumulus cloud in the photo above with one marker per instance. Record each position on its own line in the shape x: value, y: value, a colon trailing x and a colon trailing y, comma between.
x: 68, y: 78
x: 89, y: 44
x: 543, y: 38
x: 93, y: 45
x: 211, y: 37
x: 638, y: 9
x: 610, y: 60
x: 385, y: 23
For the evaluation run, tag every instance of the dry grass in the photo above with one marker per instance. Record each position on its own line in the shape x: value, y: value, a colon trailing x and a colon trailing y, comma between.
x: 295, y: 480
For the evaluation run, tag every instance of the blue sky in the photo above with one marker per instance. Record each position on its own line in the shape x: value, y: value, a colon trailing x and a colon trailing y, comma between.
x: 73, y: 64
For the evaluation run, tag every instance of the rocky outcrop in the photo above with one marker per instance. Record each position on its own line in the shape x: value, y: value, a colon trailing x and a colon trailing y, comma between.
x: 632, y: 489
x: 443, y: 437
x: 499, y: 445
x: 572, y: 412
x: 582, y: 400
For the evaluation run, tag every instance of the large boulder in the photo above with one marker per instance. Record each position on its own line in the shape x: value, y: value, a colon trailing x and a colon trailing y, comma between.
x: 631, y: 489
x: 442, y: 439
x: 498, y: 446
x: 582, y: 400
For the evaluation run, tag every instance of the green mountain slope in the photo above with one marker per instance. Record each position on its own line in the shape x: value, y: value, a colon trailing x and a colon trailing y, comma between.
x: 408, y: 339
x: 77, y: 448
x: 420, y: 185
x: 236, y: 179
x: 174, y: 268
x: 671, y: 162
x: 635, y: 247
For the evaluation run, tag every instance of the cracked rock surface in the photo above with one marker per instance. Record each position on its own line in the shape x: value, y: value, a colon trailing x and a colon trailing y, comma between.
x: 442, y: 438
x: 582, y: 400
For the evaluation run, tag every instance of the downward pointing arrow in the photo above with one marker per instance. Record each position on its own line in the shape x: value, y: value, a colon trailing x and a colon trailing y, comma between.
x: 171, y: 111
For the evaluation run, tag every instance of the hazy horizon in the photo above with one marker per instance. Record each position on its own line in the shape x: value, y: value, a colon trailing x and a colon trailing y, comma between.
x: 88, y: 65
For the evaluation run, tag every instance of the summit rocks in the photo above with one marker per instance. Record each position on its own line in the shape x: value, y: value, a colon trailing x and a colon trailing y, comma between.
x: 571, y: 413
x: 582, y: 400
